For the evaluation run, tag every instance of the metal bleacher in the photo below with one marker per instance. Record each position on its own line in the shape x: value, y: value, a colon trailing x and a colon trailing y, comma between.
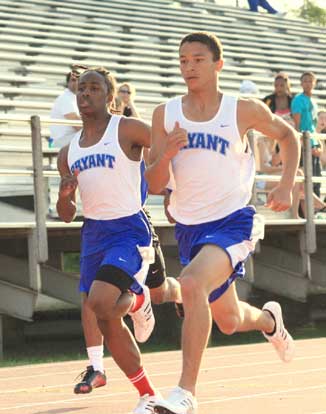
x: 137, y: 40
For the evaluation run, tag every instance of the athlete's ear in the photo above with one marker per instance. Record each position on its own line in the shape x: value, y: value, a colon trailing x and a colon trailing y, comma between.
x: 109, y: 99
x: 219, y: 65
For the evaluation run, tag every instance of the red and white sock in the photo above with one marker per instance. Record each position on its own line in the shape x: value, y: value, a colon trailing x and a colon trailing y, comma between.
x: 138, y: 301
x: 141, y: 381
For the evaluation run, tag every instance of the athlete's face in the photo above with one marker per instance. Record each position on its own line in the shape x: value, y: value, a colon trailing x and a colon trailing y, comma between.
x: 92, y: 94
x: 197, y: 65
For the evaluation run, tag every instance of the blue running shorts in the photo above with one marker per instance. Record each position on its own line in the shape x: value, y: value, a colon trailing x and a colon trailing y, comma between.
x: 236, y: 234
x: 125, y: 243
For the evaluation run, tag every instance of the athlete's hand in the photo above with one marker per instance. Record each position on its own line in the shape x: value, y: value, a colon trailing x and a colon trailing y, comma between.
x: 279, y: 199
x: 68, y: 185
x: 175, y: 140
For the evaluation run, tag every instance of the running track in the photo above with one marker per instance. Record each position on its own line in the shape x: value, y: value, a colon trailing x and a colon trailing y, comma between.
x: 245, y: 379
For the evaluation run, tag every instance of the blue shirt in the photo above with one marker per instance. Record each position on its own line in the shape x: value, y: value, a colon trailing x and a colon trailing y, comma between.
x: 307, y: 108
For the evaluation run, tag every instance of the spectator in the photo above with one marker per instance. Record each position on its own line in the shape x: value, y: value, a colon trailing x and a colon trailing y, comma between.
x: 248, y: 87
x: 321, y: 129
x: 304, y: 112
x: 65, y: 107
x: 279, y: 102
x: 268, y: 161
x: 253, y: 5
x: 126, y: 94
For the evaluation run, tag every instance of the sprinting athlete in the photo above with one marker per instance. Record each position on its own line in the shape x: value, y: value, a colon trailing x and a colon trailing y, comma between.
x: 103, y: 161
x: 201, y: 138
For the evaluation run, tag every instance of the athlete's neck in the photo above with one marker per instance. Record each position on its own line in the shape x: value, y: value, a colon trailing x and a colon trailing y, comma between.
x: 201, y: 107
x: 93, y: 129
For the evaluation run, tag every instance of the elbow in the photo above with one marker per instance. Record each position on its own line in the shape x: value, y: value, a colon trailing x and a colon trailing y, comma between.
x: 155, y: 190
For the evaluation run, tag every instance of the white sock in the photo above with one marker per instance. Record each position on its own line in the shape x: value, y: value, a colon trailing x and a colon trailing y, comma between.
x: 95, y: 356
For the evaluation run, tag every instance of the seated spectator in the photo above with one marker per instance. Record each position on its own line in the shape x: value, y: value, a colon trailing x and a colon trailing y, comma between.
x: 268, y: 161
x: 126, y: 94
x: 279, y: 102
x: 65, y: 107
x: 321, y: 129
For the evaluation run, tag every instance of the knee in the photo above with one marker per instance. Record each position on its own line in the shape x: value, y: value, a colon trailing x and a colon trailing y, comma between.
x: 99, y: 307
x: 229, y: 324
x: 190, y: 287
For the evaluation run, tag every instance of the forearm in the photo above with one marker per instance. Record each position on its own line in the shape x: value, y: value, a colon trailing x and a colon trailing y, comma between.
x: 66, y: 209
x: 157, y: 175
x: 290, y: 150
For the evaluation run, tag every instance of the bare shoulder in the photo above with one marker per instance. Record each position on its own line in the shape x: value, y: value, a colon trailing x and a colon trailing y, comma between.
x: 249, y: 105
x: 132, y: 125
x: 135, y: 131
x: 252, y: 112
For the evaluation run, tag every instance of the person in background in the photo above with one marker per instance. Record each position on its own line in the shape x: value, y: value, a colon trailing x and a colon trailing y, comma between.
x: 304, y: 112
x: 321, y: 129
x: 279, y: 102
x: 65, y: 107
x: 254, y: 4
x: 248, y: 87
x: 126, y: 94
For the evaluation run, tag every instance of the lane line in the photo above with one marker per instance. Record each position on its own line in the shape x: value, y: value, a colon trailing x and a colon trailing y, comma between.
x: 203, y: 383
x: 81, y: 398
x: 301, y: 345
x: 247, y: 364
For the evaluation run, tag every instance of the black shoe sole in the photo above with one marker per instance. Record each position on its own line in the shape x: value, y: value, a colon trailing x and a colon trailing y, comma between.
x: 162, y: 410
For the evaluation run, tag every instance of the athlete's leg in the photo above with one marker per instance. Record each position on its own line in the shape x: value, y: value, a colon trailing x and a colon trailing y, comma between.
x: 168, y: 291
x: 93, y: 335
x: 109, y: 306
x: 207, y: 271
x: 232, y: 315
x: 162, y: 288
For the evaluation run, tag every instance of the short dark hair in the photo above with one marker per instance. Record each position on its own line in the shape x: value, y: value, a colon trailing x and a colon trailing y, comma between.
x: 108, y: 77
x: 209, y: 39
x: 68, y: 76
x: 308, y: 74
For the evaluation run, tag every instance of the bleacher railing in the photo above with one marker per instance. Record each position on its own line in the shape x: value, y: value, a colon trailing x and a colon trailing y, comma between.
x: 39, y: 174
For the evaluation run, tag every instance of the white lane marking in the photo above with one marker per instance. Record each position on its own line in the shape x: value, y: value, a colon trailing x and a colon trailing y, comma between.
x: 202, y: 383
x: 247, y: 364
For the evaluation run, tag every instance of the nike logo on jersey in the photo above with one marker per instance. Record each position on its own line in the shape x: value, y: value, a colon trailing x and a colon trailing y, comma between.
x: 224, y: 126
x: 121, y: 259
x: 207, y: 141
x: 107, y: 143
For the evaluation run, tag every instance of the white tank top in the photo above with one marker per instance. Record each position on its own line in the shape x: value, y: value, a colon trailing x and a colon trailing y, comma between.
x: 214, y: 174
x: 108, y: 181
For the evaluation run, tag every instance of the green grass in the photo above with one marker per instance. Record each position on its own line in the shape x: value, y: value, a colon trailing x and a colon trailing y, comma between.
x: 56, y: 350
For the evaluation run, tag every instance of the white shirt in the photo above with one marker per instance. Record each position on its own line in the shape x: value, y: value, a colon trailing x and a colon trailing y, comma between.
x: 214, y: 174
x: 108, y: 181
x: 64, y: 104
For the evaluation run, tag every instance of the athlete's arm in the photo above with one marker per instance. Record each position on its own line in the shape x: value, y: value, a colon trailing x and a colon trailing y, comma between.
x: 66, y: 203
x: 137, y: 131
x: 164, y: 147
x: 256, y: 115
